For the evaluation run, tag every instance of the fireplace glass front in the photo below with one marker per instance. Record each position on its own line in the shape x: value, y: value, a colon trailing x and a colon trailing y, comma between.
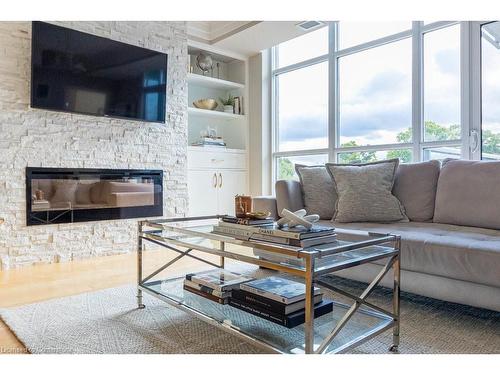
x: 64, y: 195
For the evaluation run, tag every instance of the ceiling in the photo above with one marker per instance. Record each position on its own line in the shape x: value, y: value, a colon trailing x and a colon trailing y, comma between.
x: 491, y: 32
x: 244, y: 37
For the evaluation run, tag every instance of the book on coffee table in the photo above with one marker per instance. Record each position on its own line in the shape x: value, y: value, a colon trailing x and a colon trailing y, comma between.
x: 278, y: 289
x: 219, y: 279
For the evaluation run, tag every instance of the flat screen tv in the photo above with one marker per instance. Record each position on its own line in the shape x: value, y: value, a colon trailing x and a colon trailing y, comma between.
x: 72, y: 71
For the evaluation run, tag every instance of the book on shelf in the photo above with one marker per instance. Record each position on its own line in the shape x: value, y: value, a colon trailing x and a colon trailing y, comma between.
x: 206, y: 289
x: 263, y: 303
x: 278, y: 289
x: 219, y: 279
x: 208, y: 296
x: 246, y: 221
x: 289, y: 321
x: 298, y: 233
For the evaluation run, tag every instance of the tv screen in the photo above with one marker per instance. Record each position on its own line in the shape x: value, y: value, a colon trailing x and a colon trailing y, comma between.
x: 77, y: 72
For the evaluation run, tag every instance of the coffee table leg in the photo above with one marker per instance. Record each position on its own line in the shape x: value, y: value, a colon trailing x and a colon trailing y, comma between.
x: 222, y: 248
x: 140, y: 305
x: 395, y: 299
x: 309, y: 318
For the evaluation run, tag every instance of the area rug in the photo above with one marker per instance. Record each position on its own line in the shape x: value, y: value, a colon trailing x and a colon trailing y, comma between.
x: 108, y: 321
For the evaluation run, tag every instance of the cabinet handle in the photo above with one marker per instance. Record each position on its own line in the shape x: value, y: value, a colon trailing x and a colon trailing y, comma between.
x: 220, y: 182
x: 216, y: 160
x: 214, y: 180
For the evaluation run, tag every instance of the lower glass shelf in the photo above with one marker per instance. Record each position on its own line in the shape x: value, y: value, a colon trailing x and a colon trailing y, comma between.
x: 364, y: 324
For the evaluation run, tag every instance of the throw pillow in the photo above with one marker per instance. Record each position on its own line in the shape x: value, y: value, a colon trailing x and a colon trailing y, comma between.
x: 364, y: 192
x: 415, y: 186
x: 317, y: 190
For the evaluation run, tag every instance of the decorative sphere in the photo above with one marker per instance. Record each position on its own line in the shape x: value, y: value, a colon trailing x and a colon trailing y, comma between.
x: 204, y: 62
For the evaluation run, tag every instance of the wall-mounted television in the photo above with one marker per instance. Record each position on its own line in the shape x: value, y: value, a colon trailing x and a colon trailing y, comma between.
x: 72, y: 71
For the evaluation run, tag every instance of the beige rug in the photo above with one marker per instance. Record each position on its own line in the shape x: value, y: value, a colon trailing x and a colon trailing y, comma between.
x: 107, y: 321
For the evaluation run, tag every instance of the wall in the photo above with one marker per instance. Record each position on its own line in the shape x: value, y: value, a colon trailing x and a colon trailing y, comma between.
x: 39, y: 138
x: 260, y: 162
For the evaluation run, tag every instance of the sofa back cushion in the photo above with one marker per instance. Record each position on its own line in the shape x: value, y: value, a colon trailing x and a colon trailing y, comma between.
x: 318, y: 191
x: 415, y: 186
x: 468, y: 193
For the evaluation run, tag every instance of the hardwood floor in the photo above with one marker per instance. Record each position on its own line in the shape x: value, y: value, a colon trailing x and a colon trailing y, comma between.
x: 42, y: 282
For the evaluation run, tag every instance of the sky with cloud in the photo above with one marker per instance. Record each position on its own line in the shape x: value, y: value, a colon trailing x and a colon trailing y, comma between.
x: 375, y: 87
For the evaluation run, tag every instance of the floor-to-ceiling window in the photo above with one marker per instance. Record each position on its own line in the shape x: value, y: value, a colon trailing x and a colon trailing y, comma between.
x: 301, y: 92
x: 490, y: 95
x: 356, y: 92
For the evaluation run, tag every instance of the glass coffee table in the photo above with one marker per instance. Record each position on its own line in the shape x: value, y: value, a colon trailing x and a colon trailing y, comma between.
x: 346, y: 327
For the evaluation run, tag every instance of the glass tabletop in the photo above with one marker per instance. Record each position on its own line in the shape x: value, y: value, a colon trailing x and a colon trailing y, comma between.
x: 350, y: 248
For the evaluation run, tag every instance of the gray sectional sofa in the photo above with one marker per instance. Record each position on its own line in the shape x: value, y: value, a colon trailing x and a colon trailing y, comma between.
x: 450, y: 246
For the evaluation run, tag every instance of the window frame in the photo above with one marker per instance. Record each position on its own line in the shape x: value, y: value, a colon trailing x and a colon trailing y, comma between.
x: 418, y: 144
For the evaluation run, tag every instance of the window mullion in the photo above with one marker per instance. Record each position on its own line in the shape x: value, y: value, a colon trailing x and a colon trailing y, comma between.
x: 417, y: 89
x: 333, y: 107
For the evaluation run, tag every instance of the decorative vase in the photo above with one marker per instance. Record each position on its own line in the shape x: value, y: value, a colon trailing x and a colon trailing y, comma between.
x: 228, y: 109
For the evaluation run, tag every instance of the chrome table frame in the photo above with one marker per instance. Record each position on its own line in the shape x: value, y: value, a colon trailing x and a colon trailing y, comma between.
x: 310, y: 274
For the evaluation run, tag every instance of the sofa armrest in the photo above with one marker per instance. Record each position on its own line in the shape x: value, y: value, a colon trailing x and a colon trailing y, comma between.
x: 266, y: 203
x: 289, y: 195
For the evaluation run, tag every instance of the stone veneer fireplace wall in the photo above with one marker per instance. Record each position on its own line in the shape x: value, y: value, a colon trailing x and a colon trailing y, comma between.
x: 39, y: 138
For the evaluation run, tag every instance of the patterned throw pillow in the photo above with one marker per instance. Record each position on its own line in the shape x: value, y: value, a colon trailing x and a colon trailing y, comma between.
x: 364, y: 192
x: 317, y: 189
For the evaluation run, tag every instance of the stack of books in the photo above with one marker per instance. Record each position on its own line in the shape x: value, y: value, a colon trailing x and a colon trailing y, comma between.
x: 215, y: 285
x: 210, y: 142
x: 266, y: 230
x: 278, y: 300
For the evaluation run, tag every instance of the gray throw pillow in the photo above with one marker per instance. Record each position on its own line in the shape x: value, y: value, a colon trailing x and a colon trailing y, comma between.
x: 415, y: 186
x: 318, y: 190
x: 364, y: 192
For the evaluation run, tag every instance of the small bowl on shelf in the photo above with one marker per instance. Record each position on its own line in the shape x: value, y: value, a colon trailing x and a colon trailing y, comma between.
x: 209, y: 104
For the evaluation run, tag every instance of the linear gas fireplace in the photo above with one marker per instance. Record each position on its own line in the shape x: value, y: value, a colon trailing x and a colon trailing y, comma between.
x: 67, y: 195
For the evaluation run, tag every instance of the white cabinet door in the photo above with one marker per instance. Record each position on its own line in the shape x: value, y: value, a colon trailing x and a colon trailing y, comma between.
x: 229, y: 184
x: 202, y: 192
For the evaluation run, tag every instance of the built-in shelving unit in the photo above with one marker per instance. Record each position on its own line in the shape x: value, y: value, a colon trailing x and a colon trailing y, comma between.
x: 227, y: 77
x: 216, y: 175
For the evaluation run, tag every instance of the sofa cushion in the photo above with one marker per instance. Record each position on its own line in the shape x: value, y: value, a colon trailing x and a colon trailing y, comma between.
x: 365, y: 192
x: 317, y: 190
x: 288, y: 195
x: 415, y: 187
x: 468, y: 193
x: 457, y: 252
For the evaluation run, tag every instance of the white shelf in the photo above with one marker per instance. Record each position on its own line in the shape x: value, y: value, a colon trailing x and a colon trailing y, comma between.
x: 197, y: 79
x: 213, y: 114
x: 216, y: 149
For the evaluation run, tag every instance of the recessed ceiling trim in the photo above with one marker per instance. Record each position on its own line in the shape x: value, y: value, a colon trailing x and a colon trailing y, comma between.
x: 235, y: 31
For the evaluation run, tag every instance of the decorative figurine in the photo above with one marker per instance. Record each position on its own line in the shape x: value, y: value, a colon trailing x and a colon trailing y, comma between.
x: 292, y: 219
